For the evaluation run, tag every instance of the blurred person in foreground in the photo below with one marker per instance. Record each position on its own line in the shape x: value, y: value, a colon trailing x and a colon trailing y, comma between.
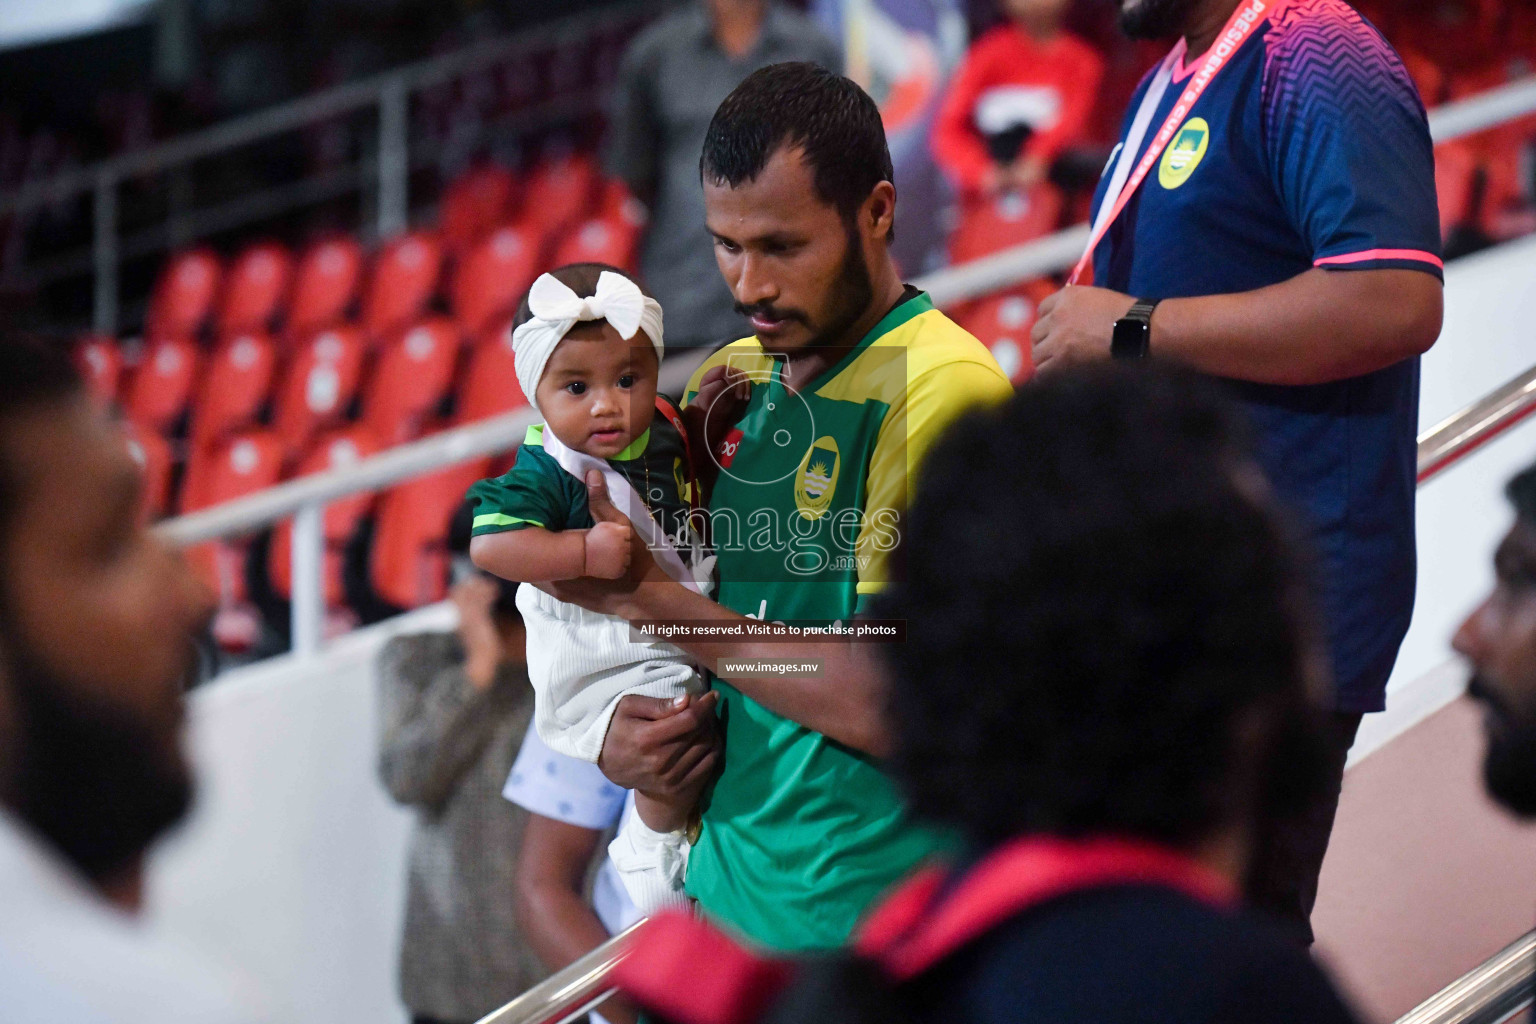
x: 97, y: 622
x: 671, y: 80
x: 1499, y: 639
x: 1108, y: 688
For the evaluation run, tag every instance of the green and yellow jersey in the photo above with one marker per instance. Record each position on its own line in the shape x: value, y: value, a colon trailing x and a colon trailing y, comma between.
x: 802, y: 834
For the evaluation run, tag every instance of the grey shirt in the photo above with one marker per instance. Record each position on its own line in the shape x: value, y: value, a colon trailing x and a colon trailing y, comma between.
x: 671, y: 81
x: 445, y: 749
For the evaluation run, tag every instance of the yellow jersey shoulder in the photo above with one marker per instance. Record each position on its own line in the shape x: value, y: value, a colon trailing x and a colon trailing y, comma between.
x: 891, y: 362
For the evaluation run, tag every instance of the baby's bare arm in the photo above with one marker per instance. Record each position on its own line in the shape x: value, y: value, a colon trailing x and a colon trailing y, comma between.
x: 531, y: 555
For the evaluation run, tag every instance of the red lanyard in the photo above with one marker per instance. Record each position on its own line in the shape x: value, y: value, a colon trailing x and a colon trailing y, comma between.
x: 1239, y: 27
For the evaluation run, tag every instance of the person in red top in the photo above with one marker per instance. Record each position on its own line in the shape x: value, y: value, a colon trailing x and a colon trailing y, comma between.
x: 1023, y: 94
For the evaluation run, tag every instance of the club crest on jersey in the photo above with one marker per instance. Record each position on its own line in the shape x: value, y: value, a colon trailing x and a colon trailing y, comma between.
x: 816, y: 480
x: 1184, y: 153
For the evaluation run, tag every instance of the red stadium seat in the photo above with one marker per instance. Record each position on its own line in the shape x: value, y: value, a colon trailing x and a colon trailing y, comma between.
x: 404, y: 278
x: 163, y: 383
x: 318, y: 387
x: 153, y: 454
x: 335, y: 450
x: 489, y: 385
x: 494, y: 276
x: 254, y: 288
x: 413, y: 376
x: 559, y: 194
x: 1002, y: 323
x: 601, y: 240
x: 408, y: 565
x: 474, y: 204
x: 184, y: 294
x: 1456, y: 167
x: 324, y: 286
x: 236, y: 383
x: 101, y: 364
x: 988, y: 225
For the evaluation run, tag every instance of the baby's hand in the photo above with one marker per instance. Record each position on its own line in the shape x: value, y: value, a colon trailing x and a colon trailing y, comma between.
x: 607, y: 550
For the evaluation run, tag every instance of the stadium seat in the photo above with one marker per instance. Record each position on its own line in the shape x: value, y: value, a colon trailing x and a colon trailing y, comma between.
x: 336, y: 450
x: 412, y: 378
x: 101, y: 364
x: 408, y: 566
x: 183, y: 296
x: 255, y: 288
x: 236, y: 383
x: 153, y: 454
x: 488, y: 387
x: 163, y: 383
x: 474, y: 204
x: 318, y: 387
x: 1003, y: 322
x: 990, y: 224
x: 324, y: 286
x: 559, y: 194
x: 404, y: 278
x: 601, y: 240
x: 493, y: 277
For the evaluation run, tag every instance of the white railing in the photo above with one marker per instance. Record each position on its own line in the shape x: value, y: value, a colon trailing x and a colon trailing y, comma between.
x: 388, y: 94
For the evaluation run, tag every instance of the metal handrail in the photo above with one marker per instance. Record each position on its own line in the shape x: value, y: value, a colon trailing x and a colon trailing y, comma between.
x: 1489, y: 994
x: 1457, y: 436
x: 571, y: 991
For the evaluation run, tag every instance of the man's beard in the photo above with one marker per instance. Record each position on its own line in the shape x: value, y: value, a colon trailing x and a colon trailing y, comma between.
x: 95, y: 781
x: 1509, y: 766
x: 1155, y: 19
x: 852, y: 293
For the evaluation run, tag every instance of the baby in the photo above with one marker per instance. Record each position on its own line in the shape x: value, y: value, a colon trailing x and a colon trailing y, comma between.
x: 587, y: 346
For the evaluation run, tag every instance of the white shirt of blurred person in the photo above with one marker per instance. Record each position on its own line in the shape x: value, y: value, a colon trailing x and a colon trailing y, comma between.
x: 1499, y: 640
x: 571, y: 806
x: 670, y: 82
x: 452, y: 708
x: 97, y: 622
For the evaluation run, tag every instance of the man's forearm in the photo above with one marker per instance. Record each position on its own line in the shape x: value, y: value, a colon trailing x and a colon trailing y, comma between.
x: 843, y: 703
x: 1319, y: 326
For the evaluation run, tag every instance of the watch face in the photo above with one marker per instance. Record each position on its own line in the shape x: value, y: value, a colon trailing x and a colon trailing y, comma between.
x: 1130, y: 339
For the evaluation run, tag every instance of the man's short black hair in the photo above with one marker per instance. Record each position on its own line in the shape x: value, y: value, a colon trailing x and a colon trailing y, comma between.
x: 1522, y: 494
x: 1096, y: 595
x: 33, y: 372
x: 800, y: 105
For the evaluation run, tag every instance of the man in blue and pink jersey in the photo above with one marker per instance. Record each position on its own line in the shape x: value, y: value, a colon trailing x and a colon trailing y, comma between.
x: 1270, y: 219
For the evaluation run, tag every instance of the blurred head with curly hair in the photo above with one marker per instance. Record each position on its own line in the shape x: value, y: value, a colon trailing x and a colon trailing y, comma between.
x: 1106, y: 631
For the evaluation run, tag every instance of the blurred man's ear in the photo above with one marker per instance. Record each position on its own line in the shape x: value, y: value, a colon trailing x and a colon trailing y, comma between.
x: 878, y: 214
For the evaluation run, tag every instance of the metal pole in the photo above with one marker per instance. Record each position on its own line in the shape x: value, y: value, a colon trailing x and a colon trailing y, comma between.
x: 308, y: 605
x: 104, y: 246
x: 394, y: 158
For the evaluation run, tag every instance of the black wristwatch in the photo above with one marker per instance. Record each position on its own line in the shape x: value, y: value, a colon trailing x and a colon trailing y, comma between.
x: 1133, y: 332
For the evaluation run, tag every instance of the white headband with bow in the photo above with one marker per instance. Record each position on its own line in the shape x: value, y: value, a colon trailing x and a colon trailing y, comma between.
x: 556, y: 309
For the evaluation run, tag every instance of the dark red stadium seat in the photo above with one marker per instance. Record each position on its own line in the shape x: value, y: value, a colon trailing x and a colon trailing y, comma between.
x: 412, y: 378
x: 183, y: 296
x: 1002, y: 323
x: 601, y: 240
x: 408, y: 564
x: 404, y: 278
x: 318, y: 387
x: 101, y: 364
x: 336, y: 450
x: 236, y: 382
x: 1456, y: 165
x: 255, y: 288
x: 493, y: 277
x: 163, y: 383
x: 324, y: 286
x: 989, y: 224
x: 474, y: 204
x: 153, y: 455
x: 488, y: 386
x: 559, y: 194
